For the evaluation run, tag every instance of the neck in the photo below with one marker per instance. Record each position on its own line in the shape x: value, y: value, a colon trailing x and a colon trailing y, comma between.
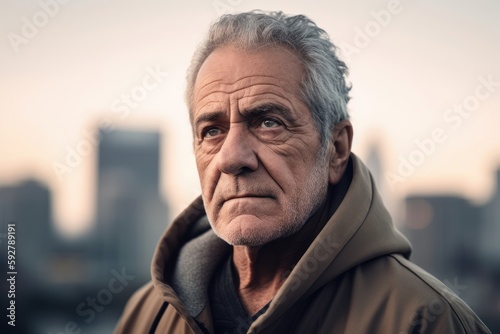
x: 261, y: 271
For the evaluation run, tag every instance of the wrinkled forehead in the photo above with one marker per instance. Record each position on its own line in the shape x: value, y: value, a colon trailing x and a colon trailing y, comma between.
x: 230, y: 68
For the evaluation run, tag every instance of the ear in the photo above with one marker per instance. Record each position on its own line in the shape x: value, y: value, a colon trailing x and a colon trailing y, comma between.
x: 340, y: 150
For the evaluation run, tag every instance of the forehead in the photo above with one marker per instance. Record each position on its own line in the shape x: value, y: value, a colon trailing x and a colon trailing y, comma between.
x: 230, y: 69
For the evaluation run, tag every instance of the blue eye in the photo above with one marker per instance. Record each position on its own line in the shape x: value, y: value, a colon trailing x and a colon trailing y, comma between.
x: 269, y: 123
x: 211, y: 132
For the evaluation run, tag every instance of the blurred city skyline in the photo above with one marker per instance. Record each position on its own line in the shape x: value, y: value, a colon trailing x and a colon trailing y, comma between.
x: 452, y: 238
x: 425, y: 78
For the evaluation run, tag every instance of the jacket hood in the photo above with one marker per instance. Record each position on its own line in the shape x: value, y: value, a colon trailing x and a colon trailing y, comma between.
x: 360, y: 229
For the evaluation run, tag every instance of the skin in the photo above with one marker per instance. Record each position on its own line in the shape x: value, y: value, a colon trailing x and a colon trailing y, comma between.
x: 258, y: 156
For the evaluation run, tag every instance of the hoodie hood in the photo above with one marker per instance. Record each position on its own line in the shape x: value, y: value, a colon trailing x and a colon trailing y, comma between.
x: 360, y: 229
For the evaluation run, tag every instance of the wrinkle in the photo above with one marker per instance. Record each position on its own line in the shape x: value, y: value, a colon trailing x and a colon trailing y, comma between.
x: 200, y: 97
x: 204, y: 86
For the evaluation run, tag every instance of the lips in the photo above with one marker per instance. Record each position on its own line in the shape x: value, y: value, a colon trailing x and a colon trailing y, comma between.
x: 247, y: 196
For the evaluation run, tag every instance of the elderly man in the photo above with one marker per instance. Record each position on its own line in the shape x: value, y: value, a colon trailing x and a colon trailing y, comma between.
x: 290, y: 234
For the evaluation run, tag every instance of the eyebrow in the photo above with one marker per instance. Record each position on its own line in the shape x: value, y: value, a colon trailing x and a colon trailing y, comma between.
x: 270, y: 107
x: 209, y: 117
x: 253, y: 112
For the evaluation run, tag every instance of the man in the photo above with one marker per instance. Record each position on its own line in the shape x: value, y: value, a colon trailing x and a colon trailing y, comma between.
x: 290, y: 234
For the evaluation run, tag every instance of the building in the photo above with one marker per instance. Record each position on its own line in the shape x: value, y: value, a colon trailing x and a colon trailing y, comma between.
x: 27, y: 205
x: 131, y: 215
x: 443, y: 230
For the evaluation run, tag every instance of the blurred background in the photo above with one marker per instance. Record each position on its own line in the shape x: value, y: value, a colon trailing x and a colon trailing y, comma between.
x: 96, y: 156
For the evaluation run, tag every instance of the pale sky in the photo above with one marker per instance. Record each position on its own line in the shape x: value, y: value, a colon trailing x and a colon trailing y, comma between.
x: 63, y: 69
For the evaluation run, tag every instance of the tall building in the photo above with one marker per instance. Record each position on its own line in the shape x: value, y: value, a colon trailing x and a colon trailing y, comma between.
x: 27, y: 206
x: 489, y: 255
x: 489, y: 242
x: 375, y: 163
x: 131, y: 215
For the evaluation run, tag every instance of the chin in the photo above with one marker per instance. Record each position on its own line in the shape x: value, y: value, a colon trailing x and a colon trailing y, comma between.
x: 252, y: 240
x: 249, y: 230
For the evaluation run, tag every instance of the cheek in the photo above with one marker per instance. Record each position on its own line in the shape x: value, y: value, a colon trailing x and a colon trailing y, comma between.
x: 202, y: 159
x: 286, y: 170
x: 207, y: 175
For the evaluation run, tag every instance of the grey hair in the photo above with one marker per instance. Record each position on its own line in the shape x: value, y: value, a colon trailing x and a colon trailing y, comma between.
x: 324, y: 87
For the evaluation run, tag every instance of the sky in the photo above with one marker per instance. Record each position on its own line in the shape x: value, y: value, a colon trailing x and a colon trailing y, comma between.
x: 425, y: 77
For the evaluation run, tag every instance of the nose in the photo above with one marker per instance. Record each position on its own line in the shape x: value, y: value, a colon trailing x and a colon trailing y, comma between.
x: 237, y: 154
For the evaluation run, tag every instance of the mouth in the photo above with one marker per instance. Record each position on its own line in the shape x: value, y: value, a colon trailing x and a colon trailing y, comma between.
x: 248, y: 196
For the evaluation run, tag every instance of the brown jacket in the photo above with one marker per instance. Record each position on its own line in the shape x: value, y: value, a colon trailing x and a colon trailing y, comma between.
x: 354, y: 278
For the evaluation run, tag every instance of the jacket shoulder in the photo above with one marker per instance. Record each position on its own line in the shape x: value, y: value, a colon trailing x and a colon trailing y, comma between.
x: 388, y: 294
x: 140, y: 311
x: 427, y: 304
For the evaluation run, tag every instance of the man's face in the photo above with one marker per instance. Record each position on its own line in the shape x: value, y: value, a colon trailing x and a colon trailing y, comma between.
x: 256, y: 145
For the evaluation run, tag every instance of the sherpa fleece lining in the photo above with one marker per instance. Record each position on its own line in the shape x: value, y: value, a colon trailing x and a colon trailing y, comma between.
x: 196, y: 263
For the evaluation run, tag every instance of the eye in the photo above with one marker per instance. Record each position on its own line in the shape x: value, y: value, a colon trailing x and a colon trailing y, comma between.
x: 211, y: 132
x: 270, y: 123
